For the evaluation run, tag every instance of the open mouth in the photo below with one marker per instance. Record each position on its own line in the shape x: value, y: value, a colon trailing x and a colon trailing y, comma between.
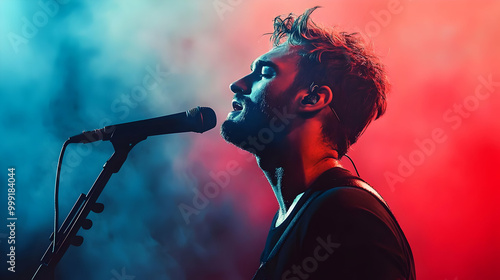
x: 237, y: 106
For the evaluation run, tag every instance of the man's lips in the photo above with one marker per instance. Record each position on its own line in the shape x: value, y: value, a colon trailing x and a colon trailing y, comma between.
x: 237, y: 106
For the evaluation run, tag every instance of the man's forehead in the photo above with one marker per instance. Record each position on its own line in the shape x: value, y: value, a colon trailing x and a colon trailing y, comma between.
x: 282, y: 54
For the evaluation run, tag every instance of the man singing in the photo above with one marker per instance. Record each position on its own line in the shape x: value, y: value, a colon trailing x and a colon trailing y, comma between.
x: 305, y: 102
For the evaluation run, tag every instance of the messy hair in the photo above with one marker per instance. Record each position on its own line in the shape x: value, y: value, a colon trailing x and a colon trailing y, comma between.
x: 345, y: 63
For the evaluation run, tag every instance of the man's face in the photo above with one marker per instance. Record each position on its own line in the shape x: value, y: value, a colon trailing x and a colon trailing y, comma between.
x: 262, y: 100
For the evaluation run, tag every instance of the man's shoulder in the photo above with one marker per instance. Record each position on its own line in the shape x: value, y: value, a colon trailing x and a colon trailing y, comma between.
x: 347, y: 210
x: 346, y: 199
x: 337, y: 190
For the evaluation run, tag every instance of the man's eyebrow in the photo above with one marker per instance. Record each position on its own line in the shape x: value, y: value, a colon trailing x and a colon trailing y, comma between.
x: 260, y: 63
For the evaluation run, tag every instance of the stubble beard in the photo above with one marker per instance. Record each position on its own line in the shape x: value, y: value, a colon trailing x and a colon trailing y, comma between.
x: 238, y: 131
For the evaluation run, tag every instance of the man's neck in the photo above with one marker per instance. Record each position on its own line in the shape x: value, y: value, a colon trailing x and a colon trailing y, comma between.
x: 290, y: 174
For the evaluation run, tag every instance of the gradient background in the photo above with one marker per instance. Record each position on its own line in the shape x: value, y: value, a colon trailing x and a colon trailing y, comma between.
x: 80, y: 65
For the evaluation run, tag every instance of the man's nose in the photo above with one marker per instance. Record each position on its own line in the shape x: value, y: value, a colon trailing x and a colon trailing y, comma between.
x: 240, y: 86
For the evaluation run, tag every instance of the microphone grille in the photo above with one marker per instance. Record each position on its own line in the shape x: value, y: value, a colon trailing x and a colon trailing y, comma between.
x: 204, y: 117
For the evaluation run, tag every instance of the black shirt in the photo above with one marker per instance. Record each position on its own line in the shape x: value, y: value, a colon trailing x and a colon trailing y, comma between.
x: 340, y: 231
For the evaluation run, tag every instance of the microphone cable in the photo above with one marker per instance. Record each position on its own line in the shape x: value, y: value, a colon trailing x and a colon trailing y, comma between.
x: 56, y: 193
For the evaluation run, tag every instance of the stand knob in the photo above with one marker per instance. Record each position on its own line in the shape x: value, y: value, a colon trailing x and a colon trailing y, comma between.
x: 86, y: 224
x: 97, y: 207
x: 77, y: 241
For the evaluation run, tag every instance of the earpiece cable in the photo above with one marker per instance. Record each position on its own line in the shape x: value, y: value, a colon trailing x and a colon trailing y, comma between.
x: 353, y: 165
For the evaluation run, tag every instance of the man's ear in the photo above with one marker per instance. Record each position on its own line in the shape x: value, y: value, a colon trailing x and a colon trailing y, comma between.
x: 314, y: 101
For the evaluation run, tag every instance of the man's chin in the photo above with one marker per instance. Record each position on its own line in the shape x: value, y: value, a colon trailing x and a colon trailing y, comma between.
x: 235, y: 133
x: 232, y: 132
x: 246, y: 132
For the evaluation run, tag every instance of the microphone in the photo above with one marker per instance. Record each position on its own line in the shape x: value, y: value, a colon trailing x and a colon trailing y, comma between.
x: 199, y: 119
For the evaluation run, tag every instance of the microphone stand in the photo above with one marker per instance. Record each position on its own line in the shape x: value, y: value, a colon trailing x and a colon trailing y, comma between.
x: 77, y: 217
